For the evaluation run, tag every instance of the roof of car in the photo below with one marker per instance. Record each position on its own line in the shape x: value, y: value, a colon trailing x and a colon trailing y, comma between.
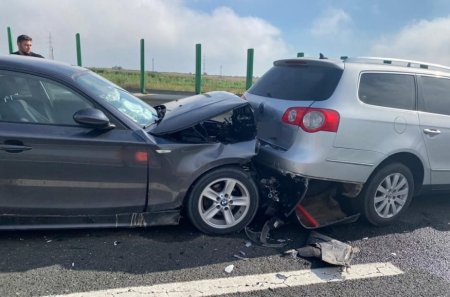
x: 400, y: 65
x: 38, y: 66
x: 372, y: 63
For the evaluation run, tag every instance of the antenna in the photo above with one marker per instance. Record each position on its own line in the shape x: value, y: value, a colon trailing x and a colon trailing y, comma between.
x: 204, y: 63
x: 50, y: 46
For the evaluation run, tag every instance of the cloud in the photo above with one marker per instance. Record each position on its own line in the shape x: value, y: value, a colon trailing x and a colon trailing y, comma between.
x: 111, y: 30
x: 334, y: 21
x: 424, y: 40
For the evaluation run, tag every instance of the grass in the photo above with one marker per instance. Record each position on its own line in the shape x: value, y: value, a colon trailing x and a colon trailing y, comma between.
x: 130, y: 80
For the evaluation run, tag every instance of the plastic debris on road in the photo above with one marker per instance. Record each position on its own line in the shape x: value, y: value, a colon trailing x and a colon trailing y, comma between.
x: 263, y: 237
x: 327, y: 249
x: 241, y: 256
x: 229, y: 268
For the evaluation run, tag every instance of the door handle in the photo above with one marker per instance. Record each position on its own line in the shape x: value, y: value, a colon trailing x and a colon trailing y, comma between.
x: 431, y: 132
x: 10, y: 148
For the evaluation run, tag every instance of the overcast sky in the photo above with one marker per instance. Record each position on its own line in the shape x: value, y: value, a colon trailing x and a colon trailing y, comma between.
x: 111, y: 29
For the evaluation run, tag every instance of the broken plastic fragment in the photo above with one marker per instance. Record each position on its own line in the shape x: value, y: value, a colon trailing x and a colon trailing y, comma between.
x: 248, y: 244
x: 292, y: 252
x: 229, y: 268
x: 328, y: 250
x: 281, y: 276
x: 240, y: 257
x: 263, y: 237
x: 116, y: 242
x: 309, y: 251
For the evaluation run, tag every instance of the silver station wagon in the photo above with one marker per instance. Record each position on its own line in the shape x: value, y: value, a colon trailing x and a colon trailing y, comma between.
x: 377, y: 128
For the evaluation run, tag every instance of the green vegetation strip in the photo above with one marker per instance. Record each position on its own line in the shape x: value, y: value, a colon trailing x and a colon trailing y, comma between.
x: 129, y: 79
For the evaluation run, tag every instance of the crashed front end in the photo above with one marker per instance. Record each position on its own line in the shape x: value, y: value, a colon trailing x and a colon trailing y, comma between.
x: 195, y: 135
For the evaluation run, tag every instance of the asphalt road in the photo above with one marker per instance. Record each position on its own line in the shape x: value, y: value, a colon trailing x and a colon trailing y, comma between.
x: 42, y: 263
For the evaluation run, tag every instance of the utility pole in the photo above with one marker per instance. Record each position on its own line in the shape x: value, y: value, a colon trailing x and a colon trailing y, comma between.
x: 50, y: 46
x: 153, y: 64
x: 204, y: 64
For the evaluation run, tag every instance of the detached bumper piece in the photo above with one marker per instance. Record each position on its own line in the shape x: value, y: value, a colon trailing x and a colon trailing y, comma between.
x: 327, y: 249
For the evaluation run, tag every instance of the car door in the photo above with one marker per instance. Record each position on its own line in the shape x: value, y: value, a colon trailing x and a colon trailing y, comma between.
x: 50, y: 165
x: 434, y: 114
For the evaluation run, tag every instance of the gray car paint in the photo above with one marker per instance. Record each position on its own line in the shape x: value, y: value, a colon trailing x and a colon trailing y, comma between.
x: 76, y: 176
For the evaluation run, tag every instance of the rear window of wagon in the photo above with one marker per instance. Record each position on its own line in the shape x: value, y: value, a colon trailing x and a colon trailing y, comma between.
x: 298, y: 82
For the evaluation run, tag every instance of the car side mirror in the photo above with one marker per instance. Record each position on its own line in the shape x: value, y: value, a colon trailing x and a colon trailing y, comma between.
x: 93, y: 118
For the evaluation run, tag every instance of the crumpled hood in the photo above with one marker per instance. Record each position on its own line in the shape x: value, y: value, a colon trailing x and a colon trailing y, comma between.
x: 184, y: 113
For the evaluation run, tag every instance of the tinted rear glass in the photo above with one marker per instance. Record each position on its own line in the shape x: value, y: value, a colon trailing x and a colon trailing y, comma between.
x: 388, y: 89
x: 436, y: 95
x: 299, y: 82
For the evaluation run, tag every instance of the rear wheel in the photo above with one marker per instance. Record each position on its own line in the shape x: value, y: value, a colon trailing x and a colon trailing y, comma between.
x: 387, y: 194
x: 223, y: 201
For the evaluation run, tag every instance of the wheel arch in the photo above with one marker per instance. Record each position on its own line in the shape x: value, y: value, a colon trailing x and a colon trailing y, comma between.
x: 411, y: 161
x: 243, y: 166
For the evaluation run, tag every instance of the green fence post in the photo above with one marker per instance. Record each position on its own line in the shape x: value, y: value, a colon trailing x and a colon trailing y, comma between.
x: 10, y: 40
x: 300, y: 55
x: 77, y: 38
x: 142, y: 67
x: 198, y: 68
x: 249, y: 81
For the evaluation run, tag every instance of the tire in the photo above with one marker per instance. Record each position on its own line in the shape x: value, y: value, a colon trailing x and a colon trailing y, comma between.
x: 214, y: 209
x: 387, y: 194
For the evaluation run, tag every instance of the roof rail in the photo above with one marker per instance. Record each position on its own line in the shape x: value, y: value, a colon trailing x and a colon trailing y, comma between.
x: 397, y: 62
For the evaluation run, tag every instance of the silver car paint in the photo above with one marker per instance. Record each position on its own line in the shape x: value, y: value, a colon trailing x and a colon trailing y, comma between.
x: 367, y: 134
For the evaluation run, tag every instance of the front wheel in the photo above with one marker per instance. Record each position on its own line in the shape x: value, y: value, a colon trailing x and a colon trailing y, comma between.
x: 223, y: 201
x: 387, y: 194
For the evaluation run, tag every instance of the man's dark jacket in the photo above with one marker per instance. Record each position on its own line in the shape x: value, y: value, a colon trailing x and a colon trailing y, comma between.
x: 31, y: 54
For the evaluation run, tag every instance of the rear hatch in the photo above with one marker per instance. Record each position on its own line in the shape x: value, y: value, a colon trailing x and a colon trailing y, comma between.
x: 290, y: 83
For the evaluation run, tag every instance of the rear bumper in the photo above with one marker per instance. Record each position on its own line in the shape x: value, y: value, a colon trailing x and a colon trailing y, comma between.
x: 336, y: 164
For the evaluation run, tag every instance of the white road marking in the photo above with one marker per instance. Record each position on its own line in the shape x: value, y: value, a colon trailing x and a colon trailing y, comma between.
x: 250, y: 283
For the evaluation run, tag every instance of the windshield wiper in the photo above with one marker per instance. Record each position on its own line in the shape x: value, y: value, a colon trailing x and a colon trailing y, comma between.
x: 151, y: 124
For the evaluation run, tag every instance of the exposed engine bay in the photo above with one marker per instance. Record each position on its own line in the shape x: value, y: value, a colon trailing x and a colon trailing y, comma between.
x: 230, y: 127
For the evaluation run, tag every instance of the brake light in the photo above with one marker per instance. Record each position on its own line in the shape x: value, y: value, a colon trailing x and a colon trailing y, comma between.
x: 312, y: 119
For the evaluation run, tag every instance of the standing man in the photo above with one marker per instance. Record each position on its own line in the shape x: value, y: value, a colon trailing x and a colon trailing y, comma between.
x: 24, y: 43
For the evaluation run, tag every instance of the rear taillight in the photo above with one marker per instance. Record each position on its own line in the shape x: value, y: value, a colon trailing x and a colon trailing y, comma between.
x: 312, y: 119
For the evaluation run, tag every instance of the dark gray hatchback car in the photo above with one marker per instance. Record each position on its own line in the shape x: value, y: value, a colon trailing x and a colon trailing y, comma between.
x: 79, y: 151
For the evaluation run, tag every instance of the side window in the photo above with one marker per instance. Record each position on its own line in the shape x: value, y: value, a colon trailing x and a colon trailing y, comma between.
x: 65, y: 103
x: 31, y: 99
x: 435, y: 95
x: 387, y: 89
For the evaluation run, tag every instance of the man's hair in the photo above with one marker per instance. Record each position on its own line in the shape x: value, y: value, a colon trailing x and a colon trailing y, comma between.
x: 23, y: 37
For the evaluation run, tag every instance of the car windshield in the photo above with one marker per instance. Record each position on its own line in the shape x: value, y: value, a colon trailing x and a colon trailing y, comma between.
x: 137, y: 110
